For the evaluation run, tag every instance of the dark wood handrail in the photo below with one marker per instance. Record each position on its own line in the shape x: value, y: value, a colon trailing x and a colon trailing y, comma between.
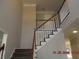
x: 34, y: 43
x: 2, y: 48
x: 33, y: 40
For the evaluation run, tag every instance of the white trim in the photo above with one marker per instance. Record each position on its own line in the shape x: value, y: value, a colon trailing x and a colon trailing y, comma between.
x: 29, y: 4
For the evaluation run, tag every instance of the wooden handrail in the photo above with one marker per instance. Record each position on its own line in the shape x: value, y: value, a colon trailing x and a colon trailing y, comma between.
x: 34, y: 40
x: 61, y: 6
x: 2, y: 48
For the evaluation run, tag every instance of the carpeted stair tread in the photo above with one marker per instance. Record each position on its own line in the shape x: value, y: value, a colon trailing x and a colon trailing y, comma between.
x: 23, y: 54
x: 23, y: 50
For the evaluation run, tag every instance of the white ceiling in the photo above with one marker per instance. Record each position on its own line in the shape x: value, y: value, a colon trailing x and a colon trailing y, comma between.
x: 45, y: 5
x: 48, y: 5
x: 47, y: 8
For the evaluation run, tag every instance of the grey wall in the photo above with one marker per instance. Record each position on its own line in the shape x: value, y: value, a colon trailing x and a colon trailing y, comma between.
x: 28, y: 25
x: 57, y: 43
x: 73, y: 6
x: 63, y: 13
x: 10, y: 22
x: 74, y: 12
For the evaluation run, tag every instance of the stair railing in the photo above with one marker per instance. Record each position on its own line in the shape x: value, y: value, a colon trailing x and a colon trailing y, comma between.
x: 2, y: 50
x: 45, y: 29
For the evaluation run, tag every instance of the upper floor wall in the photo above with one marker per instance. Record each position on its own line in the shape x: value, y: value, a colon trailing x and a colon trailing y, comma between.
x: 28, y: 25
x: 72, y: 7
x: 10, y: 23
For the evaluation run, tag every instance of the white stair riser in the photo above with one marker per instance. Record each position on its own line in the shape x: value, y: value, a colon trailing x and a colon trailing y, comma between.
x: 38, y: 47
x: 47, y: 40
x: 43, y: 43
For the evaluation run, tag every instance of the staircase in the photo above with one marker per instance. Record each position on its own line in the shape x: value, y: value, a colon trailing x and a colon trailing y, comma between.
x: 23, y: 54
x: 47, y: 30
x: 44, y: 33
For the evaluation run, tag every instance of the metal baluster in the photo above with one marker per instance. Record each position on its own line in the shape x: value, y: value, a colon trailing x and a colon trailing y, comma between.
x: 55, y: 24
